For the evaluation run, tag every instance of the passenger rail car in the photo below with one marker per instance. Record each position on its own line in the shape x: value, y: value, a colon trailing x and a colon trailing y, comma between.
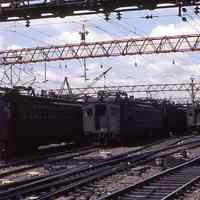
x: 27, y: 122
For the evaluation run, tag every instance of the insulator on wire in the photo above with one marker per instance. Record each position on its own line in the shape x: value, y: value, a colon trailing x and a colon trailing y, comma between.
x: 107, y: 18
x: 119, y: 16
x: 150, y: 16
x: 135, y: 64
x: 82, y: 37
x: 196, y: 10
x: 184, y: 19
x: 184, y: 10
x: 27, y: 23
x: 83, y: 33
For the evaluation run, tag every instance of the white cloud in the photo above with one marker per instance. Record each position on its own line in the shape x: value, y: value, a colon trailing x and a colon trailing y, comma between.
x: 74, y: 37
x: 14, y: 46
x: 176, y: 29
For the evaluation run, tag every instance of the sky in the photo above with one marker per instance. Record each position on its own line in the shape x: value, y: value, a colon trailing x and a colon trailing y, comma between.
x: 127, y: 70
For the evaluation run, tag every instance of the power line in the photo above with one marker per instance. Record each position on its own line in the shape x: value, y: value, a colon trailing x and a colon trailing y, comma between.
x: 136, y: 29
x: 105, y: 31
x: 25, y: 36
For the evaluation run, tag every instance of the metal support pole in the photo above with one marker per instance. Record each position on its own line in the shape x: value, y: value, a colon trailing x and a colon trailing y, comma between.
x: 45, y: 72
x: 85, y: 69
x: 11, y: 76
x: 192, y: 91
x: 83, y: 34
x: 193, y: 100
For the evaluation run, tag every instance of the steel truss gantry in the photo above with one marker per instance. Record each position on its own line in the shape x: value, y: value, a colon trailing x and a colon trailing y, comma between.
x: 132, y: 46
x: 150, y: 88
x: 188, y: 92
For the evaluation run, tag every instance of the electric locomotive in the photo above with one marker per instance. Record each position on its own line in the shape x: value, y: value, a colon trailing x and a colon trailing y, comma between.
x: 126, y: 120
x: 27, y: 122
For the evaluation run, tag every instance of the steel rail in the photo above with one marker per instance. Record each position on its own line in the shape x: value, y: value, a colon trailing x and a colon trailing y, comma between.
x: 158, y: 186
x: 110, y: 171
x: 180, y: 191
x: 41, y: 163
x: 31, y: 159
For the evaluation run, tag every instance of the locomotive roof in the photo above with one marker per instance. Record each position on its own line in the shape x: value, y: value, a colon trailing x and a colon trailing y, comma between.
x: 27, y: 98
x: 120, y: 103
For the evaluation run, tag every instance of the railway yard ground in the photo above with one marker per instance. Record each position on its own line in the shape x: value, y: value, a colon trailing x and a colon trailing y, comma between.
x: 100, y: 172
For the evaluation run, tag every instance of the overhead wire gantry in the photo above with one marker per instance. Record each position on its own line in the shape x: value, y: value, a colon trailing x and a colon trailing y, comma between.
x: 123, y: 47
x: 192, y: 89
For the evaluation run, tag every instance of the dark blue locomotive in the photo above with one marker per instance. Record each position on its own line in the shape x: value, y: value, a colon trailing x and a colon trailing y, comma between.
x: 127, y: 121
x: 27, y: 122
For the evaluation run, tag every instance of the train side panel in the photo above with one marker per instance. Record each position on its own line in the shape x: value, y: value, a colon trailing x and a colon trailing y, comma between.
x: 88, y: 113
x: 7, y: 136
x: 37, y: 121
x: 193, y: 118
x: 140, y: 121
x: 114, y: 116
x: 175, y: 119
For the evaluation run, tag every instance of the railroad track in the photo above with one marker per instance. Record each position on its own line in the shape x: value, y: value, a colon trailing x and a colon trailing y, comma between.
x: 36, y: 158
x: 18, y: 166
x: 37, y: 162
x: 87, y: 150
x: 185, y: 190
x: 53, y: 158
x: 81, y: 177
x: 163, y: 186
x: 66, y: 178
x: 85, y: 186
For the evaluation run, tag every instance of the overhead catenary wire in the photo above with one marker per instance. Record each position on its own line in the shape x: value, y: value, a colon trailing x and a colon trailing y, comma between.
x: 130, y: 28
x: 25, y: 36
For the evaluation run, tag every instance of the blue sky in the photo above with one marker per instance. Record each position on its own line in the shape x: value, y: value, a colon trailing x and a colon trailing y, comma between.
x: 167, y: 68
